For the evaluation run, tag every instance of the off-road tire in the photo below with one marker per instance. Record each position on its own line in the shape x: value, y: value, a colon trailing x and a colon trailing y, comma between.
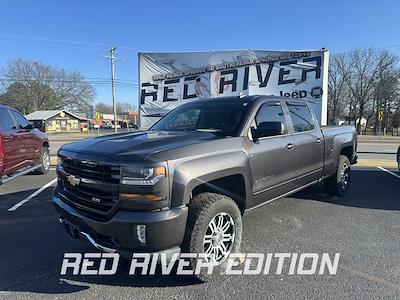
x: 338, y: 184
x: 202, y: 210
x: 45, y: 165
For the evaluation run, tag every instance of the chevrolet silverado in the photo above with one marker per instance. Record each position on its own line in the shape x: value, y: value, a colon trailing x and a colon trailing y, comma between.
x: 184, y: 184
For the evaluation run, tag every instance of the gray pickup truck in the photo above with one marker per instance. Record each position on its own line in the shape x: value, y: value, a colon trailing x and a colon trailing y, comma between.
x: 185, y: 184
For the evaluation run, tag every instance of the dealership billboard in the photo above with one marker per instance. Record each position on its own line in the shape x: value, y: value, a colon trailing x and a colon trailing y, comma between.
x: 168, y: 80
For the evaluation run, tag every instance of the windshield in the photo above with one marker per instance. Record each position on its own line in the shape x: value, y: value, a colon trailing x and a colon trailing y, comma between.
x: 221, y: 118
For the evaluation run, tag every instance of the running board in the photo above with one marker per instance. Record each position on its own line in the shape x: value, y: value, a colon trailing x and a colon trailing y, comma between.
x: 6, y: 179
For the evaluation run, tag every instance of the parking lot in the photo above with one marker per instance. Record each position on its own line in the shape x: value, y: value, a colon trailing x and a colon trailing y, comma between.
x: 363, y: 227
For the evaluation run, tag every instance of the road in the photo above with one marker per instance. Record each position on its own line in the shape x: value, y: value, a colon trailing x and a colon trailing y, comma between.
x: 363, y: 227
x: 385, y: 150
x: 371, y: 151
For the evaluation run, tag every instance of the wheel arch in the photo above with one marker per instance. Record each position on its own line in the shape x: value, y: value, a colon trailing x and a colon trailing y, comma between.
x: 46, y: 144
x: 226, y: 174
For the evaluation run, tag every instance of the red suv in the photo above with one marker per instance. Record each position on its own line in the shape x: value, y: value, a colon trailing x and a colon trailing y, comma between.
x: 21, y: 145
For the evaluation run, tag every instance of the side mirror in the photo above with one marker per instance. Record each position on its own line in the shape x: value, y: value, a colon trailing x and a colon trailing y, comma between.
x: 266, y: 129
x: 29, y: 127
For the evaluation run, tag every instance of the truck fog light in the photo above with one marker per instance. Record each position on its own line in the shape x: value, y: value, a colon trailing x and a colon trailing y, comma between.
x: 141, y: 233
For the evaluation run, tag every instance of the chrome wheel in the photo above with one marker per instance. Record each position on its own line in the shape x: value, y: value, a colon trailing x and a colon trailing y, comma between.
x: 46, y: 160
x: 344, y: 176
x: 219, y: 238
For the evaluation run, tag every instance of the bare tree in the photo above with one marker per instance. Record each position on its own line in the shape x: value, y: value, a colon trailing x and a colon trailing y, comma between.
x: 387, y: 96
x: 35, y: 85
x: 104, y: 108
x: 122, y: 108
x: 337, y: 89
x: 362, y: 75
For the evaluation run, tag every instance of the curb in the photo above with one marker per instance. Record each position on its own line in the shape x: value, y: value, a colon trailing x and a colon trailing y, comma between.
x: 375, y: 163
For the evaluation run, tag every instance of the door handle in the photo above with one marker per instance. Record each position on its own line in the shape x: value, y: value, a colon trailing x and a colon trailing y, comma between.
x: 289, y: 146
x: 319, y: 140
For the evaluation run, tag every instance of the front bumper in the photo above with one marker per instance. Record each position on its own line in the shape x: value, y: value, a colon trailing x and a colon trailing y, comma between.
x: 165, y: 229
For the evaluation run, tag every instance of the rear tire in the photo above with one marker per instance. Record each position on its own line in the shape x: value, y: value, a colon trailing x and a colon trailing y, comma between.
x: 45, y: 161
x: 338, y: 184
x: 215, y: 229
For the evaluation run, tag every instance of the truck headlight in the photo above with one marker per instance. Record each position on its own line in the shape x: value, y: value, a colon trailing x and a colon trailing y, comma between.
x: 141, y: 176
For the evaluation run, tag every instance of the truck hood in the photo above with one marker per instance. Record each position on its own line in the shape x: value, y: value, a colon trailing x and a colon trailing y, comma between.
x: 137, y: 145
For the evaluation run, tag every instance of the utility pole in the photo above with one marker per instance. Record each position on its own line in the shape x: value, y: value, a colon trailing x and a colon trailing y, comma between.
x: 112, y: 58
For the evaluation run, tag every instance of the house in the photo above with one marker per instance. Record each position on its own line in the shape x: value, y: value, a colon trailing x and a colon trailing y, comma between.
x: 345, y: 120
x: 56, y: 120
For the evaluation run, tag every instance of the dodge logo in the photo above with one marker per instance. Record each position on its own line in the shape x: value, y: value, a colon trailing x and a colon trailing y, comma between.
x: 72, y: 180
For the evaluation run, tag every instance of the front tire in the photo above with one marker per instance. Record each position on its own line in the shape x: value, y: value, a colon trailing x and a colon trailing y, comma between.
x: 338, y: 184
x: 45, y: 161
x: 215, y: 229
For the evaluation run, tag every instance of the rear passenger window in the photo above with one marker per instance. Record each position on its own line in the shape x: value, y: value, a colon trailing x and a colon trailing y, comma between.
x: 301, y: 117
x: 271, y: 112
x: 21, y: 121
x: 6, y: 122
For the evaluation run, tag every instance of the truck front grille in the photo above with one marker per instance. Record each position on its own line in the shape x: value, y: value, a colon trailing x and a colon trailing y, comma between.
x: 91, y: 170
x: 96, y: 193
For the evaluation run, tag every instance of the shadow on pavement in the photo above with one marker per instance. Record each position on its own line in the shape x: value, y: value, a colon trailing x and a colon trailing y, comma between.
x: 65, y: 284
x: 369, y: 188
x: 33, y: 242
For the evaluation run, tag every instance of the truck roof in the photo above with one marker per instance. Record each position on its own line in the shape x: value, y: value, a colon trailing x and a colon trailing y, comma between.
x: 248, y: 99
x: 7, y: 107
x: 231, y: 99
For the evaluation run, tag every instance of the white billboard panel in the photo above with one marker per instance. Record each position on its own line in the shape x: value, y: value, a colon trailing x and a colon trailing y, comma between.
x: 168, y: 80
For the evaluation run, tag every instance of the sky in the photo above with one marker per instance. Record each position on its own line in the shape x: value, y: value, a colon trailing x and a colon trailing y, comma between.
x: 73, y: 35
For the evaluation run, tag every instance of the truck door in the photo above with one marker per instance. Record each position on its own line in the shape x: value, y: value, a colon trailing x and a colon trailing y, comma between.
x: 308, y: 143
x: 11, y: 142
x: 271, y: 158
x: 30, y: 148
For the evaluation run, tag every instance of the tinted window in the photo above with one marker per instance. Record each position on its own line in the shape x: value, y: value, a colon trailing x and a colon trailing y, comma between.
x: 20, y: 119
x: 271, y: 112
x: 6, y: 121
x: 185, y: 120
x: 301, y: 117
x: 222, y: 118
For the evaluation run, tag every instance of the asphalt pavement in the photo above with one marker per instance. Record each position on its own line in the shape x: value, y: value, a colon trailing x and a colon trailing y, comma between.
x: 363, y: 227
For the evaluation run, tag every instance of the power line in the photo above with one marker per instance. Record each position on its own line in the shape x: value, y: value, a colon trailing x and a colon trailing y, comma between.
x: 57, y: 42
x: 116, y: 83
x: 54, y: 40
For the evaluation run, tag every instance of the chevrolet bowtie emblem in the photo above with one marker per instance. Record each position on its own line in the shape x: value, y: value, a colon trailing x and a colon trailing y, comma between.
x: 72, y: 180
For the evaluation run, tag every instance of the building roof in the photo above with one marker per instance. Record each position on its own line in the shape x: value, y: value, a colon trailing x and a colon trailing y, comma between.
x: 47, y: 114
x: 111, y: 117
x: 81, y: 115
